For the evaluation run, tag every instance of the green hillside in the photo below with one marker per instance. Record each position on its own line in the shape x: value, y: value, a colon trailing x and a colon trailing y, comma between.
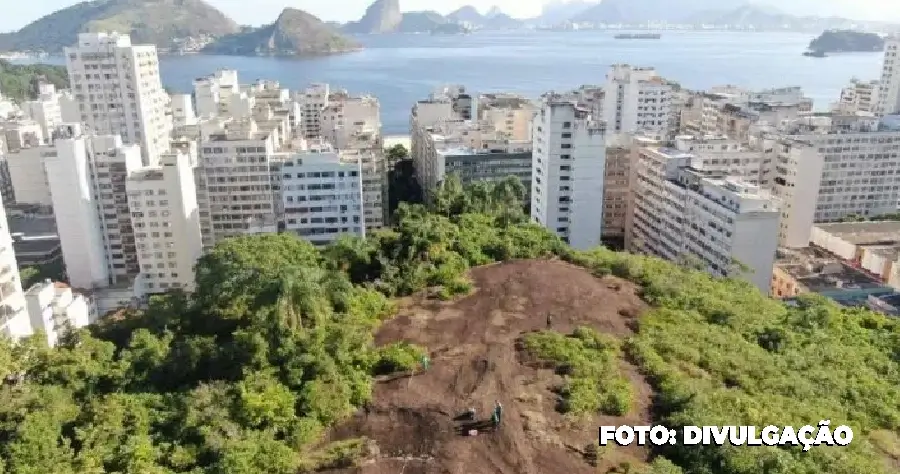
x: 148, y: 21
x: 19, y: 82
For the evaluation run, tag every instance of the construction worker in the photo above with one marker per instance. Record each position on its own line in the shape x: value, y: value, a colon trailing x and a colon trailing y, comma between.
x: 498, y: 414
x: 549, y: 321
x: 426, y: 362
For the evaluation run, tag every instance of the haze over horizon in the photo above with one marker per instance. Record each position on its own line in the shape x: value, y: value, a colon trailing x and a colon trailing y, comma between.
x: 18, y: 14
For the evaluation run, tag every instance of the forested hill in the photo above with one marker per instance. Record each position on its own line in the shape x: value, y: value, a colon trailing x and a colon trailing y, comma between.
x: 247, y: 375
x: 156, y: 22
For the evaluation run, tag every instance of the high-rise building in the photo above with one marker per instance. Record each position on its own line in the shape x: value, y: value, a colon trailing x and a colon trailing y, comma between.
x: 348, y: 118
x: 119, y: 92
x: 569, y: 161
x: 313, y: 102
x: 728, y: 226
x: 889, y: 85
x: 166, y: 220
x: 14, y: 319
x: 45, y: 110
x: 323, y: 194
x: 829, y: 168
x: 636, y: 99
x: 858, y: 96
x: 87, y: 176
x: 236, y: 190
x: 210, y: 92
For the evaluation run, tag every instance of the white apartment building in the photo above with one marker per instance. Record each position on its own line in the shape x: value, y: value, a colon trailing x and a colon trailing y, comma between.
x: 118, y: 90
x: 889, y: 85
x: 858, y: 97
x: 636, y: 99
x: 508, y: 114
x: 830, y: 168
x: 723, y: 223
x: 313, y: 101
x: 323, y: 194
x: 54, y: 309
x: 473, y: 151
x: 46, y: 110
x: 28, y: 176
x: 235, y: 184
x: 719, y: 155
x: 87, y: 175
x: 166, y: 220
x: 182, y: 110
x: 14, y: 320
x: 568, y: 171
x: 212, y: 90
x: 347, y: 118
x: 375, y: 183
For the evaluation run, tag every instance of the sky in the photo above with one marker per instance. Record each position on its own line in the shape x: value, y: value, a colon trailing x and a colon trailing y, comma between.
x: 15, y: 14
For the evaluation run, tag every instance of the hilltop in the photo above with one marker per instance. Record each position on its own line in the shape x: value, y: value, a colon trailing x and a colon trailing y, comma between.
x: 479, y: 355
x: 290, y: 359
x: 294, y: 33
x: 158, y: 22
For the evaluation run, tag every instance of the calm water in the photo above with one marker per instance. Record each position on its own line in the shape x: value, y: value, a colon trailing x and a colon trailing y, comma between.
x: 401, y: 69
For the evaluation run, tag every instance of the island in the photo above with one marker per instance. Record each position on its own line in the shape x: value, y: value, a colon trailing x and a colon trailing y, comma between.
x: 294, y: 33
x: 846, y: 41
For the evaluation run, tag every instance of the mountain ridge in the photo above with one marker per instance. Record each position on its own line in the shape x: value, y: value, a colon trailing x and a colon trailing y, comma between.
x: 159, y: 22
x: 294, y: 33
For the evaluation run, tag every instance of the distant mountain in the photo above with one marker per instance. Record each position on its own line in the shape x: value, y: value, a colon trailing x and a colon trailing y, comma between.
x: 382, y: 16
x: 493, y: 20
x: 557, y: 12
x: 294, y: 33
x: 745, y: 15
x: 147, y: 21
x: 426, y: 22
x: 645, y: 11
x: 466, y: 14
x: 768, y: 18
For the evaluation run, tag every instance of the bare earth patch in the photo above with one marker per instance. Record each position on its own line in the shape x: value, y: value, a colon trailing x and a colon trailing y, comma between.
x: 475, y: 362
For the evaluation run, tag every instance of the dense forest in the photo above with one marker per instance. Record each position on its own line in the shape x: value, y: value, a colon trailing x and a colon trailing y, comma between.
x: 276, y: 345
x: 20, y: 81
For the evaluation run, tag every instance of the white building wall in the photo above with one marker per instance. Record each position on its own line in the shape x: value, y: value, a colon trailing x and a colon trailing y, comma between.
x: 323, y: 197
x: 797, y: 185
x: 889, y: 86
x: 636, y: 100
x: 569, y: 152
x: 14, y: 320
x: 588, y: 178
x: 77, y: 219
x: 166, y: 219
x: 313, y: 100
x: 54, y: 309
x: 235, y: 184
x: 118, y: 90
x: 182, y: 110
x: 28, y: 176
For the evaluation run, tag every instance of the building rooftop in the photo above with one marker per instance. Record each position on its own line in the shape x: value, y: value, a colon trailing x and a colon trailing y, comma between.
x: 865, y: 233
x: 818, y: 271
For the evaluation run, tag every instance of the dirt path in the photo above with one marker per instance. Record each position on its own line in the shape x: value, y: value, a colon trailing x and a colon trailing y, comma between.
x: 475, y: 363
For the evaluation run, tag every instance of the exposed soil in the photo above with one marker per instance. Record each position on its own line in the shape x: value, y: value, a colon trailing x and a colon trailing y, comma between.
x: 475, y: 362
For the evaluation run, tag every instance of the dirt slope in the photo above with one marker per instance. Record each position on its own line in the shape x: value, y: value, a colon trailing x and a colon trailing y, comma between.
x: 475, y: 361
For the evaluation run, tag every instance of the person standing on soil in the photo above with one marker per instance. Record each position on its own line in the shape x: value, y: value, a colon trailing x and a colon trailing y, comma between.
x: 549, y: 321
x: 497, y: 417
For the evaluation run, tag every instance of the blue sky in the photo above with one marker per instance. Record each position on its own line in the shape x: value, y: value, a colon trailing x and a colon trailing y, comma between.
x: 14, y: 14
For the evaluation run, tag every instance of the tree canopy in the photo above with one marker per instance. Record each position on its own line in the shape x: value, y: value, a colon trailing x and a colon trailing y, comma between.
x: 276, y: 345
